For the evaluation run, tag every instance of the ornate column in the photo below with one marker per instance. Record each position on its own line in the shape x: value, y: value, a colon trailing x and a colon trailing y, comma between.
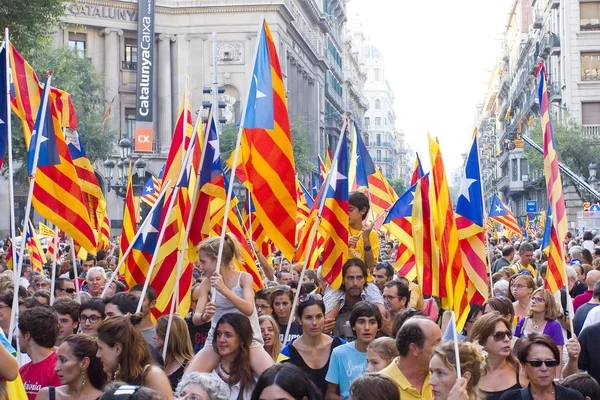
x: 165, y: 116
x: 111, y: 73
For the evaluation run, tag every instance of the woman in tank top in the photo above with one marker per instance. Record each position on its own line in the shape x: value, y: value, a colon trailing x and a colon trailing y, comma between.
x: 234, y: 294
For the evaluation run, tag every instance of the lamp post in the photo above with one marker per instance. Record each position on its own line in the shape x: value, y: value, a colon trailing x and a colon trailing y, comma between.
x: 138, y: 176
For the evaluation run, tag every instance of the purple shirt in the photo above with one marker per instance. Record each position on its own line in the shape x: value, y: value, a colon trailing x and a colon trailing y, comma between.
x: 552, y: 329
x: 583, y: 298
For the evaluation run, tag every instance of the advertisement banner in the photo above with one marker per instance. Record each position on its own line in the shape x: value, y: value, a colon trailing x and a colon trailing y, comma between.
x: 144, y: 84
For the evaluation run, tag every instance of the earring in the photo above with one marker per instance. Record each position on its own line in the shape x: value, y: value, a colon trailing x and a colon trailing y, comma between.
x: 82, y: 378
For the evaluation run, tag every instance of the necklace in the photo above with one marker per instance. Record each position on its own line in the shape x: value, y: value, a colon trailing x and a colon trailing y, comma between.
x: 223, y: 371
x: 536, y: 327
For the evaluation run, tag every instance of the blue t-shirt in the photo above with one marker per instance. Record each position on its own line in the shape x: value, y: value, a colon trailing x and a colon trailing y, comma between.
x: 345, y: 365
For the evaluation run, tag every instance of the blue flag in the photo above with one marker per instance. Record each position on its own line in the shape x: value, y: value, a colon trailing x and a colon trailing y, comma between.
x: 470, y: 200
x: 364, y: 162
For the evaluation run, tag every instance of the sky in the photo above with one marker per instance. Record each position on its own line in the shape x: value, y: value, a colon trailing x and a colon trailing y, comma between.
x: 438, y: 57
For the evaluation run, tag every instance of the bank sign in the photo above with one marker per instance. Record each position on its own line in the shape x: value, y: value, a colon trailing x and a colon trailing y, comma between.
x: 144, y: 106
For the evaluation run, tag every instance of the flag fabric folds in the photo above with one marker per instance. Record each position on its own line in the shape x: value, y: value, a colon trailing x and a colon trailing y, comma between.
x: 129, y: 268
x: 150, y: 191
x: 4, y: 128
x: 556, y: 201
x: 500, y: 213
x: 45, y: 230
x: 471, y: 234
x: 417, y: 171
x: 266, y: 165
x: 57, y: 194
x: 37, y: 257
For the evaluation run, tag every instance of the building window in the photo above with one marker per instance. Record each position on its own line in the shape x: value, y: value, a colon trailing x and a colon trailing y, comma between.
x: 379, y: 155
x: 130, y: 123
x: 378, y: 139
x: 77, y: 42
x: 367, y: 121
x: 589, y: 15
x: 377, y: 121
x: 130, y: 61
x: 590, y: 114
x: 524, y: 169
x: 378, y: 104
x: 590, y: 66
x: 515, y: 169
x: 376, y: 71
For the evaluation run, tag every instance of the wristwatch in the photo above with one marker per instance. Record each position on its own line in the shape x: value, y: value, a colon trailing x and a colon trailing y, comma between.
x: 367, y: 248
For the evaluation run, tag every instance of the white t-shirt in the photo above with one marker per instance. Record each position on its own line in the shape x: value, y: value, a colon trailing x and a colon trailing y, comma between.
x: 592, y: 318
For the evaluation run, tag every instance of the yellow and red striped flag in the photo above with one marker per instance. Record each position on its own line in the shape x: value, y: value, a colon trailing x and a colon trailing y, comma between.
x: 305, y: 202
x: 556, y: 201
x: 267, y: 165
x: 37, y: 257
x: 130, y: 269
x: 446, y: 236
x: 417, y: 171
x: 500, y: 213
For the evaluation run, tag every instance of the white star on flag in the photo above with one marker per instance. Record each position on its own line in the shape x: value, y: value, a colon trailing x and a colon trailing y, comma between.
x: 259, y: 94
x: 148, y: 230
x: 498, y: 209
x: 149, y: 188
x: 215, y: 145
x: 464, y: 187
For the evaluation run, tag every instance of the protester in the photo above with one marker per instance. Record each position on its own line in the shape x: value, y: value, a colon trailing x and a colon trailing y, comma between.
x: 147, y: 326
x: 64, y: 287
x: 501, y: 304
x: 67, y: 311
x: 382, y: 273
x: 445, y: 384
x: 38, y: 330
x: 374, y: 387
x: 262, y: 302
x: 234, y: 293
x: 285, y: 381
x: 521, y: 288
x: 584, y: 384
x: 281, y: 301
x: 95, y: 279
x: 43, y: 296
x: 363, y: 242
x: 79, y: 370
x: 201, y: 386
x: 410, y: 370
x: 583, y: 312
x: 501, y: 373
x: 6, y: 301
x: 525, y: 259
x: 540, y: 358
x: 198, y: 333
x: 381, y: 352
x: 91, y: 315
x: 312, y: 351
x: 269, y: 330
x: 179, y: 349
x: 125, y: 356
x: 508, y: 255
x: 349, y: 360
x: 396, y: 296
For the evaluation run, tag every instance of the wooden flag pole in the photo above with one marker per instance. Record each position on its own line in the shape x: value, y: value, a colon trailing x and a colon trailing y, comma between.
x: 36, y: 155
x: 137, y: 235
x: 313, y: 232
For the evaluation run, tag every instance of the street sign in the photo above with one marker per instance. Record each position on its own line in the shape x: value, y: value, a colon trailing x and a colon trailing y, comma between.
x: 595, y: 208
x: 586, y: 206
x: 531, y: 206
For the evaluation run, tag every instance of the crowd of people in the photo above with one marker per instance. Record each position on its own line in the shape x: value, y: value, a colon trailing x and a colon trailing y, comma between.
x: 376, y: 337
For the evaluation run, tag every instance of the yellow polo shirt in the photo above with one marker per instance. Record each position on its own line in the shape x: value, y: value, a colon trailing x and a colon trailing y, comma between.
x: 518, y: 267
x: 407, y: 392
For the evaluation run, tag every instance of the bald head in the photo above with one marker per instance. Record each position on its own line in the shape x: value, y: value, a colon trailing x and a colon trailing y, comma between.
x: 592, y: 277
x: 422, y: 333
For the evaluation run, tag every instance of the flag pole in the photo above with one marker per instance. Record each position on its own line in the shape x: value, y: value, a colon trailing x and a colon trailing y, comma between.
x: 137, y: 234
x: 186, y: 235
x: 36, y: 154
x: 236, y: 155
x: 485, y: 217
x: 456, y: 351
x: 74, y: 264
x: 11, y: 183
x: 54, y: 255
x: 313, y: 232
x: 165, y: 220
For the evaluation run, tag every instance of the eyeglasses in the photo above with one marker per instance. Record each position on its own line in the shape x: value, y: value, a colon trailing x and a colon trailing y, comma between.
x: 537, y: 299
x: 262, y: 307
x: 92, y: 318
x: 538, y: 363
x: 68, y: 290
x: 519, y: 286
x: 307, y: 296
x: 499, y: 336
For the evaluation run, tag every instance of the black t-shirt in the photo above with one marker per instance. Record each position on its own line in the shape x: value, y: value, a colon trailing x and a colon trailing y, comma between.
x: 562, y: 393
x: 578, y: 289
x: 198, y: 334
x: 580, y: 316
x: 589, y: 358
x: 295, y: 331
x: 499, y: 264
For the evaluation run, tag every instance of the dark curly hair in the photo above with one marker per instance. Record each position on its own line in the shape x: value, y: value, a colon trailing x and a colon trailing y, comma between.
x: 41, y: 323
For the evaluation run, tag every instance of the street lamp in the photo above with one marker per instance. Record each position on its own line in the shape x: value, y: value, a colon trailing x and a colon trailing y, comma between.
x: 593, y: 169
x: 120, y: 186
x: 140, y: 167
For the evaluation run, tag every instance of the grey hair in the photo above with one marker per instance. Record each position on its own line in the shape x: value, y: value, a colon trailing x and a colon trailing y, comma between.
x: 214, y: 387
x: 571, y: 273
x: 95, y: 269
x: 575, y: 252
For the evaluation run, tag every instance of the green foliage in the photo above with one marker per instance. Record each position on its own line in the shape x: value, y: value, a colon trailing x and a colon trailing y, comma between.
x: 31, y: 21
x: 399, y: 185
x: 574, y: 150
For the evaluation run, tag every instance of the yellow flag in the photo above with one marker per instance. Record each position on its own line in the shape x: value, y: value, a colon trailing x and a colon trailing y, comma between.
x: 45, y: 230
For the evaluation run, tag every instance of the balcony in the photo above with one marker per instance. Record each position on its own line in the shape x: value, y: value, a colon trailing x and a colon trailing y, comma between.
x: 503, y: 183
x: 555, y: 49
x: 591, y: 131
x: 516, y: 186
x: 538, y: 22
x: 335, y: 67
x: 387, y: 145
x: 590, y: 77
x: 334, y: 121
x: 554, y: 4
x: 129, y: 65
x: 554, y: 92
x: 334, y: 96
x: 589, y: 24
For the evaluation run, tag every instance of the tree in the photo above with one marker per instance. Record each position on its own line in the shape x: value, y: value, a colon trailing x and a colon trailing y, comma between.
x: 398, y: 185
x: 76, y: 75
x: 31, y: 21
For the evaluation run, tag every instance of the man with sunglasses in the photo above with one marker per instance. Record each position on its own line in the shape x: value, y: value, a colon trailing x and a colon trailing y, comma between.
x: 64, y: 287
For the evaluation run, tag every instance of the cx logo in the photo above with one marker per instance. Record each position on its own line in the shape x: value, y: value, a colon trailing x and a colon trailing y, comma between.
x: 144, y: 138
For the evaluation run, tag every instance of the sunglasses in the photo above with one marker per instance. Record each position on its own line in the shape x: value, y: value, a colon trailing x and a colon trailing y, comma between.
x: 538, y: 363
x: 69, y: 290
x: 307, y: 296
x: 499, y: 336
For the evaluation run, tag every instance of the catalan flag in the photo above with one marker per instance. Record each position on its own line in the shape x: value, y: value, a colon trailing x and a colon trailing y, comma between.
x: 398, y: 222
x: 52, y: 247
x: 323, y: 169
x: 333, y: 225
x: 305, y: 203
x: 267, y: 160
x: 361, y: 163
x: 151, y: 191
x: 500, y: 213
x: 37, y: 257
x: 315, y: 183
x: 417, y: 171
x: 383, y: 195
x: 104, y: 234
x: 558, y: 227
x: 427, y: 253
x: 450, y: 266
x: 57, y: 195
x: 255, y: 229
x: 4, y: 110
x: 143, y: 248
x: 129, y: 268
x: 471, y: 234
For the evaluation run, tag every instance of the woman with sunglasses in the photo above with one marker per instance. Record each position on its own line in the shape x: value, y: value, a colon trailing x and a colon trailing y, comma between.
x: 493, y: 331
x: 542, y: 319
x: 312, y: 350
x: 540, y: 359
x: 521, y: 287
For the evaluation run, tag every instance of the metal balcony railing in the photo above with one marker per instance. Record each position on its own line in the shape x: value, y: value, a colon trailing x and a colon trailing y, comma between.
x: 591, y: 131
x: 129, y: 65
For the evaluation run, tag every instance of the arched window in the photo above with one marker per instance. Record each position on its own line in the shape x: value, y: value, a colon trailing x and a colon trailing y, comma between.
x: 378, y: 104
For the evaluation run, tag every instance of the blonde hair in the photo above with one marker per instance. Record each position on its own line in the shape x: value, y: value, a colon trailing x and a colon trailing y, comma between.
x: 231, y: 248
x: 180, y: 343
x: 472, y: 360
x: 385, y: 347
x: 277, y: 345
